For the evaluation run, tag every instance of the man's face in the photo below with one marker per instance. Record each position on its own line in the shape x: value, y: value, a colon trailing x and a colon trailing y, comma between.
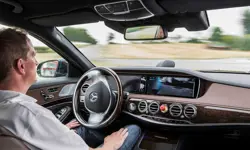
x: 30, y: 65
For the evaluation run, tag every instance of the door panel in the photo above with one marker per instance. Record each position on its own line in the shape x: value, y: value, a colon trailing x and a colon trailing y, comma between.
x: 51, y: 90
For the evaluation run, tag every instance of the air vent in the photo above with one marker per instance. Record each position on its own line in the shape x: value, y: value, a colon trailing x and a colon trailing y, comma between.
x: 84, y: 87
x: 153, y: 107
x: 142, y: 106
x: 190, y: 111
x: 52, y: 90
x: 175, y: 110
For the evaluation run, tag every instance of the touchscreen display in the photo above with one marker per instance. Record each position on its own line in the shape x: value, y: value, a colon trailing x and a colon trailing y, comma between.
x: 172, y: 86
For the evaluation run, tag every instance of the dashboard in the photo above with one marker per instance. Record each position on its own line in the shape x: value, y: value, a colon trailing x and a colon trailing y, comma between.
x: 173, y: 97
x: 183, y: 98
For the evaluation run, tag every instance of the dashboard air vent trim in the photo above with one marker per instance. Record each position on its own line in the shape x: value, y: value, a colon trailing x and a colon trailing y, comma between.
x: 84, y: 87
x: 175, y: 109
x: 190, y: 111
x: 153, y: 107
x: 53, y: 89
x: 143, y: 106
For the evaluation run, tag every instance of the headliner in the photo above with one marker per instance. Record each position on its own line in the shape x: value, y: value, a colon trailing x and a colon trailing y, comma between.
x: 174, y: 12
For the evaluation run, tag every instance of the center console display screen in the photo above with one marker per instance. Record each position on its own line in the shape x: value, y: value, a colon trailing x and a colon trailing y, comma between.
x: 171, y: 86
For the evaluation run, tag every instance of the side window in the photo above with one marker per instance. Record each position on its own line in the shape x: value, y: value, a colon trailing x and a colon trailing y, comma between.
x: 51, y: 65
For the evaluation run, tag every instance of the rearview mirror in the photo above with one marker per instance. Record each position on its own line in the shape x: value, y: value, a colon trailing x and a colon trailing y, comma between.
x: 153, y: 32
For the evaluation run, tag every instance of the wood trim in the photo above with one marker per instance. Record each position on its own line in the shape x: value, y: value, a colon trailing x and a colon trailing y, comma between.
x: 204, y: 115
x: 215, y: 95
x: 228, y: 104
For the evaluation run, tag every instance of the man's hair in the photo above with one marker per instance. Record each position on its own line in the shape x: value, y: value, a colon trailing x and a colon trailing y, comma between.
x: 13, y: 46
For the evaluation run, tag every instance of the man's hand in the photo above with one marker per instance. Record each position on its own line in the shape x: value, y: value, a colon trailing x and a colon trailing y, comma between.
x: 73, y: 124
x: 115, y: 140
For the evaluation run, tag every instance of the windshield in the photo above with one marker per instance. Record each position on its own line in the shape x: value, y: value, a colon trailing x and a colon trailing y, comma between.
x: 224, y: 46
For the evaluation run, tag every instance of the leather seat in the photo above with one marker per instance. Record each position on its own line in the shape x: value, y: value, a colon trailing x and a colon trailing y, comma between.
x: 8, y: 141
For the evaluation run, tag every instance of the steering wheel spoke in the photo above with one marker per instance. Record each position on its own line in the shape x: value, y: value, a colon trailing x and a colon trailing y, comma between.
x: 94, y: 76
x: 97, y: 76
x: 96, y: 118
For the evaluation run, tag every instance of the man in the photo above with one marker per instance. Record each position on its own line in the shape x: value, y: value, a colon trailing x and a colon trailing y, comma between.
x: 31, y: 122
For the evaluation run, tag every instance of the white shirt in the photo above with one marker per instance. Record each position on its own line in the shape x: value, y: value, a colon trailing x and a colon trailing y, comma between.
x: 35, y: 124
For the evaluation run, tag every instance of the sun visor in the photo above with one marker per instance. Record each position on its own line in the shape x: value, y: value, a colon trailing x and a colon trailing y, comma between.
x: 72, y: 18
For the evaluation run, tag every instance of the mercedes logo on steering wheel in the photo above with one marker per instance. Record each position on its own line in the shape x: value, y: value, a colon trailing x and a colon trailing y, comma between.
x: 93, y: 97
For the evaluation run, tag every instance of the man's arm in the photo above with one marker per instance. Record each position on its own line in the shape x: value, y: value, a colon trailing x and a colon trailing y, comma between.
x: 45, y: 131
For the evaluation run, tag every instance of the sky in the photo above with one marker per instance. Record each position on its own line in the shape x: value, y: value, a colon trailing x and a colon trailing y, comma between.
x: 228, y: 19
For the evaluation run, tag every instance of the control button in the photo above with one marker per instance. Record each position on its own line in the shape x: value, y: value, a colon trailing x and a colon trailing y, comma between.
x: 171, y: 121
x: 120, y: 7
x: 110, y: 8
x: 134, y: 5
x: 132, y: 107
x: 117, y: 7
x: 63, y: 110
x: 162, y: 120
x: 43, y: 94
x: 102, y: 9
x: 58, y: 116
x: 164, y: 108
x: 47, y: 97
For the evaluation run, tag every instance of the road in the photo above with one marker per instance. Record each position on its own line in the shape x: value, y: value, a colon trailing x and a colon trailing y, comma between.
x: 92, y: 52
x: 238, y: 64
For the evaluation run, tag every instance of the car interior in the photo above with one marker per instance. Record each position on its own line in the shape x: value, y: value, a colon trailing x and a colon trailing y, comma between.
x: 208, y: 110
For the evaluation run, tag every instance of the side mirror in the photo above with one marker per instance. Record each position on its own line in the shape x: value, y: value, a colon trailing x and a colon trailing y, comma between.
x: 152, y: 32
x: 53, y: 68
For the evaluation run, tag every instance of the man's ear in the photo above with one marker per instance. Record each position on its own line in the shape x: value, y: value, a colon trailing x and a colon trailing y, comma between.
x: 20, y: 66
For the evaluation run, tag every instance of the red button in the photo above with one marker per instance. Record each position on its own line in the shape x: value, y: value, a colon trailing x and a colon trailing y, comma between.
x: 164, y: 108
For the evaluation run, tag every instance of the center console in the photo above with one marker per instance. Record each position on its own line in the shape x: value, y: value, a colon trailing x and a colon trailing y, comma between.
x: 146, y: 104
x: 161, y: 112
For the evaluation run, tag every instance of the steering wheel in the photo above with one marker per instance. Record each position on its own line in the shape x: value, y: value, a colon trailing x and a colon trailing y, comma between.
x: 102, y: 103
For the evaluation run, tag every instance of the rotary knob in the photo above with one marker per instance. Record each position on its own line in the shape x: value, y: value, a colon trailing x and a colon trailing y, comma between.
x: 132, y: 107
